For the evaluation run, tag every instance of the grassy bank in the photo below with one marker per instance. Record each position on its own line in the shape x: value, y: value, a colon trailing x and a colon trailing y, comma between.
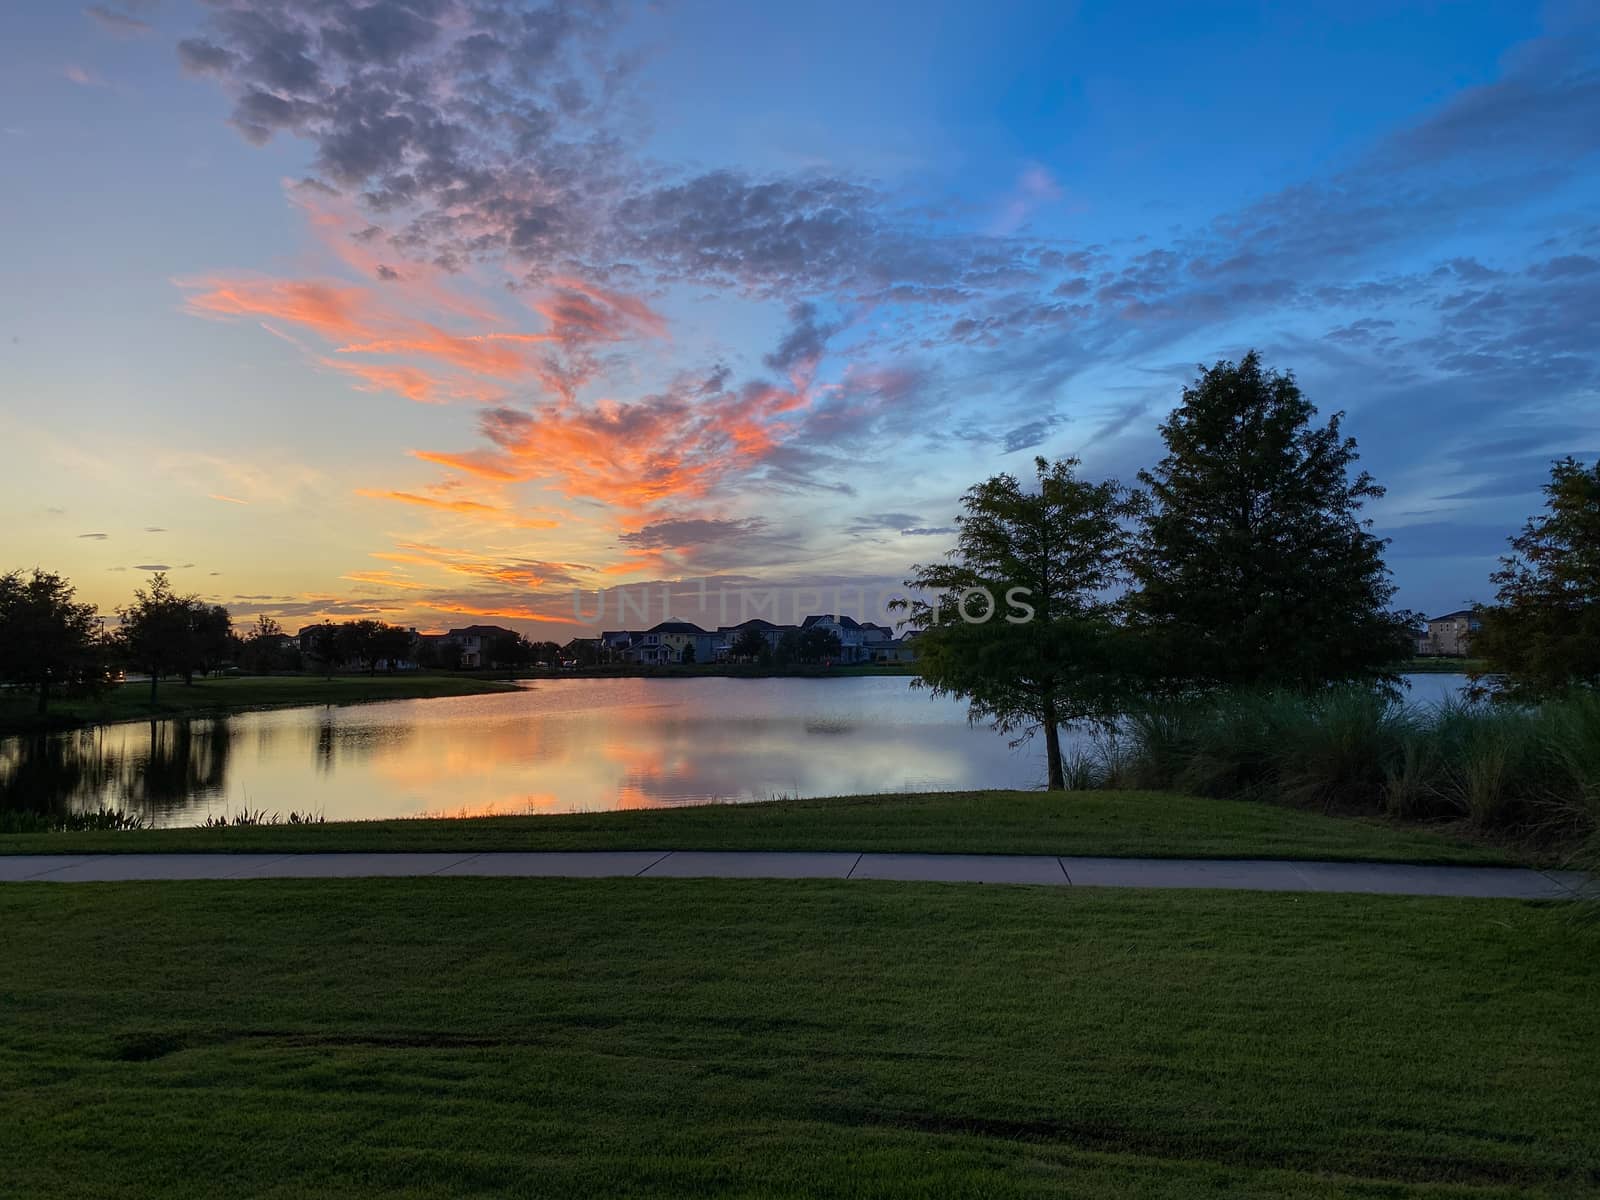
x: 131, y: 701
x: 669, y: 1038
x: 1079, y: 823
x: 1444, y: 666
x: 1529, y: 774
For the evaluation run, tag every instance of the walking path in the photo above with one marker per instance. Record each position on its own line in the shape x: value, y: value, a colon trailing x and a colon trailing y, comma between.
x: 1396, y: 879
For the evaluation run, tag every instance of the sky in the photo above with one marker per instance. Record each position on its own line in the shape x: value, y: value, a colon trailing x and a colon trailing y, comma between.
x: 454, y: 311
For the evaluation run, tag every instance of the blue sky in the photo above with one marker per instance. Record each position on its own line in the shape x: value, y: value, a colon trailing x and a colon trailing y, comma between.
x: 441, y: 309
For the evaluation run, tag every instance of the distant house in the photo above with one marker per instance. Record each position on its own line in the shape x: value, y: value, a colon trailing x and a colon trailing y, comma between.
x: 769, y: 632
x: 473, y: 645
x: 854, y: 637
x: 675, y: 642
x: 1449, y: 636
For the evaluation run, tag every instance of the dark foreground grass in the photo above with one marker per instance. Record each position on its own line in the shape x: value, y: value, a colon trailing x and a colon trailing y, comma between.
x: 425, y: 1038
x: 1077, y: 823
x: 131, y: 701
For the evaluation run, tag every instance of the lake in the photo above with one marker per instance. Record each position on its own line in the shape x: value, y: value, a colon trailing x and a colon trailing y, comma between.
x: 559, y: 745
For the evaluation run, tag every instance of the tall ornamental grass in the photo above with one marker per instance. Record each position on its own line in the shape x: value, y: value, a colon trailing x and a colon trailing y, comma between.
x: 1523, y: 772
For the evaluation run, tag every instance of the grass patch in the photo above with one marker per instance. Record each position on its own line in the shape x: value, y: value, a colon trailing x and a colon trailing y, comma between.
x: 1078, y: 823
x: 131, y: 701
x: 439, y: 1037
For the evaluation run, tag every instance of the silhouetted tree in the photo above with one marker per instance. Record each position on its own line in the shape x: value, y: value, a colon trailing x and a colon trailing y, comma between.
x: 167, y: 634
x: 687, y: 655
x: 1543, y: 634
x: 1254, y: 565
x: 214, y: 643
x: 1021, y: 623
x: 583, y: 651
x: 48, y: 641
x: 749, y: 645
x: 263, y: 650
x: 787, y: 651
x: 818, y: 645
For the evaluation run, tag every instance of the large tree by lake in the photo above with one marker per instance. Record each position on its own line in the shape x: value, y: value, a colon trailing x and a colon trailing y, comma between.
x: 1543, y: 634
x: 48, y: 641
x: 1254, y: 565
x: 1020, y: 623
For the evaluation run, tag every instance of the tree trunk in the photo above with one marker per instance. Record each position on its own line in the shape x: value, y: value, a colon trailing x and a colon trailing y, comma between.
x: 154, y: 675
x: 1052, y: 746
x: 44, y: 696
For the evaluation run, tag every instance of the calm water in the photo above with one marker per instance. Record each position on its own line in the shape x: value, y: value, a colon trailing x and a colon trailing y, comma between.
x: 560, y: 745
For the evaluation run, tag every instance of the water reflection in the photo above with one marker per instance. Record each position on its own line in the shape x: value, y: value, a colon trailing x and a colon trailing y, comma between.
x: 558, y: 746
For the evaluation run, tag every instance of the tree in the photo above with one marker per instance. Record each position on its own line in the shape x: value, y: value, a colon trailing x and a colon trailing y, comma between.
x: 164, y: 633
x: 328, y: 643
x: 687, y: 654
x: 749, y: 645
x: 1254, y: 566
x: 819, y: 645
x: 214, y: 643
x: 583, y: 651
x: 1543, y: 634
x: 263, y: 650
x: 391, y: 644
x: 787, y: 650
x: 47, y: 639
x: 1020, y: 623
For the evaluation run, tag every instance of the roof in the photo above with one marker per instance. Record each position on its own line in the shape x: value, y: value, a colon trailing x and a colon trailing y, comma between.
x: 1460, y: 612
x: 752, y: 623
x: 678, y: 627
x: 480, y: 631
x: 842, y: 622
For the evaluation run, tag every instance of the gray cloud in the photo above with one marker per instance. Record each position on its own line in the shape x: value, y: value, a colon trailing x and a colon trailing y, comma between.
x: 96, y: 537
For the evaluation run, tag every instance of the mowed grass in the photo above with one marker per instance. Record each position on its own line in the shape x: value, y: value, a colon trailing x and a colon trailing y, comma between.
x: 1115, y: 823
x: 131, y: 701
x: 446, y: 1037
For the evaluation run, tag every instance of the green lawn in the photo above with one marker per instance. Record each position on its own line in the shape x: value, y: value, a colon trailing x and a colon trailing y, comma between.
x: 443, y: 1037
x: 1077, y: 823
x: 131, y: 701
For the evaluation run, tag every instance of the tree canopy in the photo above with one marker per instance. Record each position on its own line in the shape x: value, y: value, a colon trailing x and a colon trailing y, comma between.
x: 1542, y: 636
x: 1039, y: 561
x: 1254, y: 566
x: 48, y: 641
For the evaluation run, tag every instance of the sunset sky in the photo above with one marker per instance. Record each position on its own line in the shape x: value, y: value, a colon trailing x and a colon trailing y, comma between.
x: 437, y: 310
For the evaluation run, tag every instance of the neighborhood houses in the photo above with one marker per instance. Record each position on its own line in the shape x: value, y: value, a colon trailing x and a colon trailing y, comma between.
x: 822, y: 638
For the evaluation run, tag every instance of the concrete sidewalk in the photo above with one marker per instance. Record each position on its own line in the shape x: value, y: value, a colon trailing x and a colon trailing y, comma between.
x: 1391, y: 879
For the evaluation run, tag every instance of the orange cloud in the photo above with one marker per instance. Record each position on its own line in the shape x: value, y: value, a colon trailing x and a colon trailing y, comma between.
x: 471, y: 508
x: 674, y: 446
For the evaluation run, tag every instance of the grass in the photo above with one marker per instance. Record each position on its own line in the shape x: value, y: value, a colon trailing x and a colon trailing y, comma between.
x: 131, y: 701
x: 1439, y: 665
x: 1526, y: 773
x: 432, y: 1038
x: 1076, y: 823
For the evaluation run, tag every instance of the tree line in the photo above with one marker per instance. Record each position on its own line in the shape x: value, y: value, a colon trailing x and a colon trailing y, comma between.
x: 52, y: 644
x: 1242, y: 561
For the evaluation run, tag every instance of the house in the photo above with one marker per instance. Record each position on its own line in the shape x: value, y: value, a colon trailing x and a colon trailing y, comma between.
x: 1449, y: 636
x: 769, y: 632
x: 675, y: 642
x: 473, y: 645
x: 852, y: 634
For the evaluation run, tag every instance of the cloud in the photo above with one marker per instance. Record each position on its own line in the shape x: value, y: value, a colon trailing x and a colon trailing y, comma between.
x: 463, y: 508
x: 84, y: 76
x: 226, y: 499
x: 117, y: 22
x: 98, y: 537
x: 154, y: 529
x: 151, y: 567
